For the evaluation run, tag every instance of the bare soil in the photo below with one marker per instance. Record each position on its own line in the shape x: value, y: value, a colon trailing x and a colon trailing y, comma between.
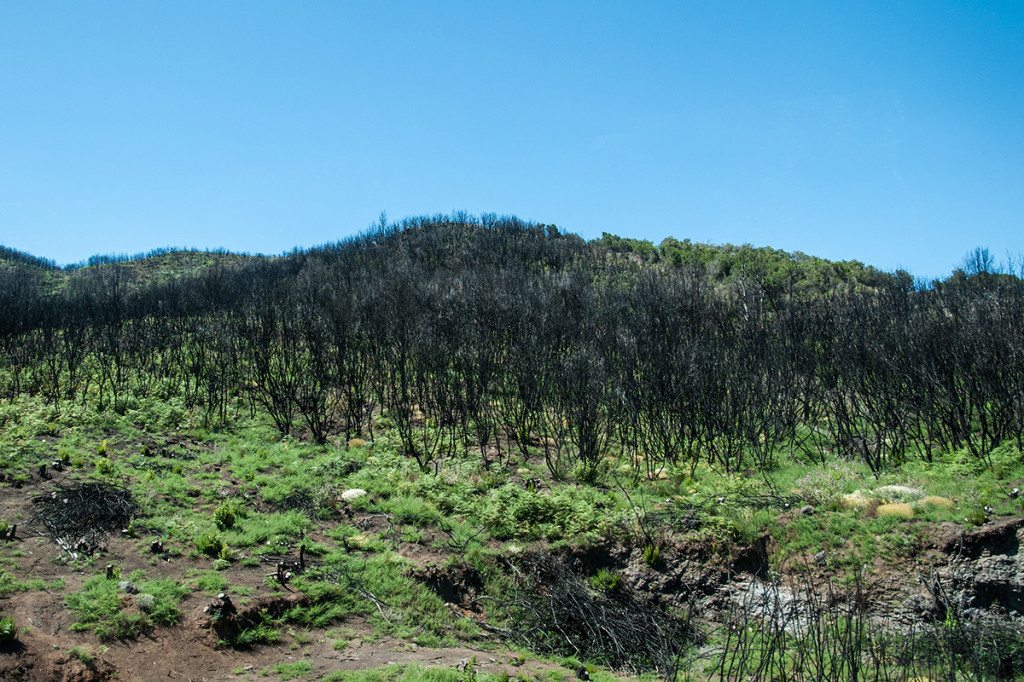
x: 190, y: 651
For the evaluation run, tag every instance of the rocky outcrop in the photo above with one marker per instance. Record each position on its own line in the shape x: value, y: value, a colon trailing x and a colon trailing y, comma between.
x: 985, y: 570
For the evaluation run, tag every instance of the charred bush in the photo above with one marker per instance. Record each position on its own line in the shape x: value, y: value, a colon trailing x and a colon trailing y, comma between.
x: 553, y: 607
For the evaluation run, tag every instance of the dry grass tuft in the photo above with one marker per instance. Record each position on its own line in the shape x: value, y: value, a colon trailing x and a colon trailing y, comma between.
x: 856, y: 500
x: 937, y: 501
x: 898, y: 509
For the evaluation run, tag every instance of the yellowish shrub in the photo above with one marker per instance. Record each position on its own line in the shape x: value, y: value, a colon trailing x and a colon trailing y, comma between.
x: 356, y: 443
x: 855, y: 500
x: 360, y: 541
x: 936, y: 501
x: 898, y: 509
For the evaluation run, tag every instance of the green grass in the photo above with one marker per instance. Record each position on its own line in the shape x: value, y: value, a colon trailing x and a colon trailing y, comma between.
x: 104, y: 609
x: 208, y: 582
x: 406, y: 608
x: 213, y: 546
x: 264, y: 632
x: 8, y: 630
x: 292, y: 671
x: 274, y: 531
x: 409, y: 673
x: 9, y: 584
x: 192, y: 498
x: 566, y: 512
x: 83, y: 654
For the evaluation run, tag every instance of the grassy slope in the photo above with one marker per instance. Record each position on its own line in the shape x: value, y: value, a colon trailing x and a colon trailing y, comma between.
x: 220, y: 502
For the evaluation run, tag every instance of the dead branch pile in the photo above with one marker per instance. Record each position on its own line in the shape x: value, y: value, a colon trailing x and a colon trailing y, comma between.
x: 552, y: 607
x: 301, y: 499
x: 317, y: 503
x: 79, y: 516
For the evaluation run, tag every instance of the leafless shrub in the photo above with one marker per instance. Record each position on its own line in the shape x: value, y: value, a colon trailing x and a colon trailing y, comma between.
x: 554, y: 608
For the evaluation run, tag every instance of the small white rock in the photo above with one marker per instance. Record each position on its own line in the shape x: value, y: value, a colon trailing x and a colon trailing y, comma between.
x: 353, y: 494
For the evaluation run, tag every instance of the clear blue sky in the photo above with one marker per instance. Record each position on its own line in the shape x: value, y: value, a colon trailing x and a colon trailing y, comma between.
x: 891, y: 132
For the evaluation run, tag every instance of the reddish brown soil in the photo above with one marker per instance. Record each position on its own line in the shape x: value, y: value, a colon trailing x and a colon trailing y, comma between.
x: 189, y: 650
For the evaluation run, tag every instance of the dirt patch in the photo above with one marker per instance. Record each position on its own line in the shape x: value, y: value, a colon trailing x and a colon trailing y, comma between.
x: 753, y: 558
x: 176, y: 655
x: 999, y: 537
x: 33, y: 657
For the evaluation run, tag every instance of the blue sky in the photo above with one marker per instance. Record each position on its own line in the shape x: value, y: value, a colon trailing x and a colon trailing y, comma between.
x: 891, y: 132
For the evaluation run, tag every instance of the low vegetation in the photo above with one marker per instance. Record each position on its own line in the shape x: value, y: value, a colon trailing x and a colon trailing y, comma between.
x: 114, y: 608
x: 672, y: 460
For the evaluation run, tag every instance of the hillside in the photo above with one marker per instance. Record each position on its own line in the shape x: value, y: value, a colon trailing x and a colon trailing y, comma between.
x: 14, y: 258
x: 725, y: 262
x: 456, y: 448
x: 156, y: 267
